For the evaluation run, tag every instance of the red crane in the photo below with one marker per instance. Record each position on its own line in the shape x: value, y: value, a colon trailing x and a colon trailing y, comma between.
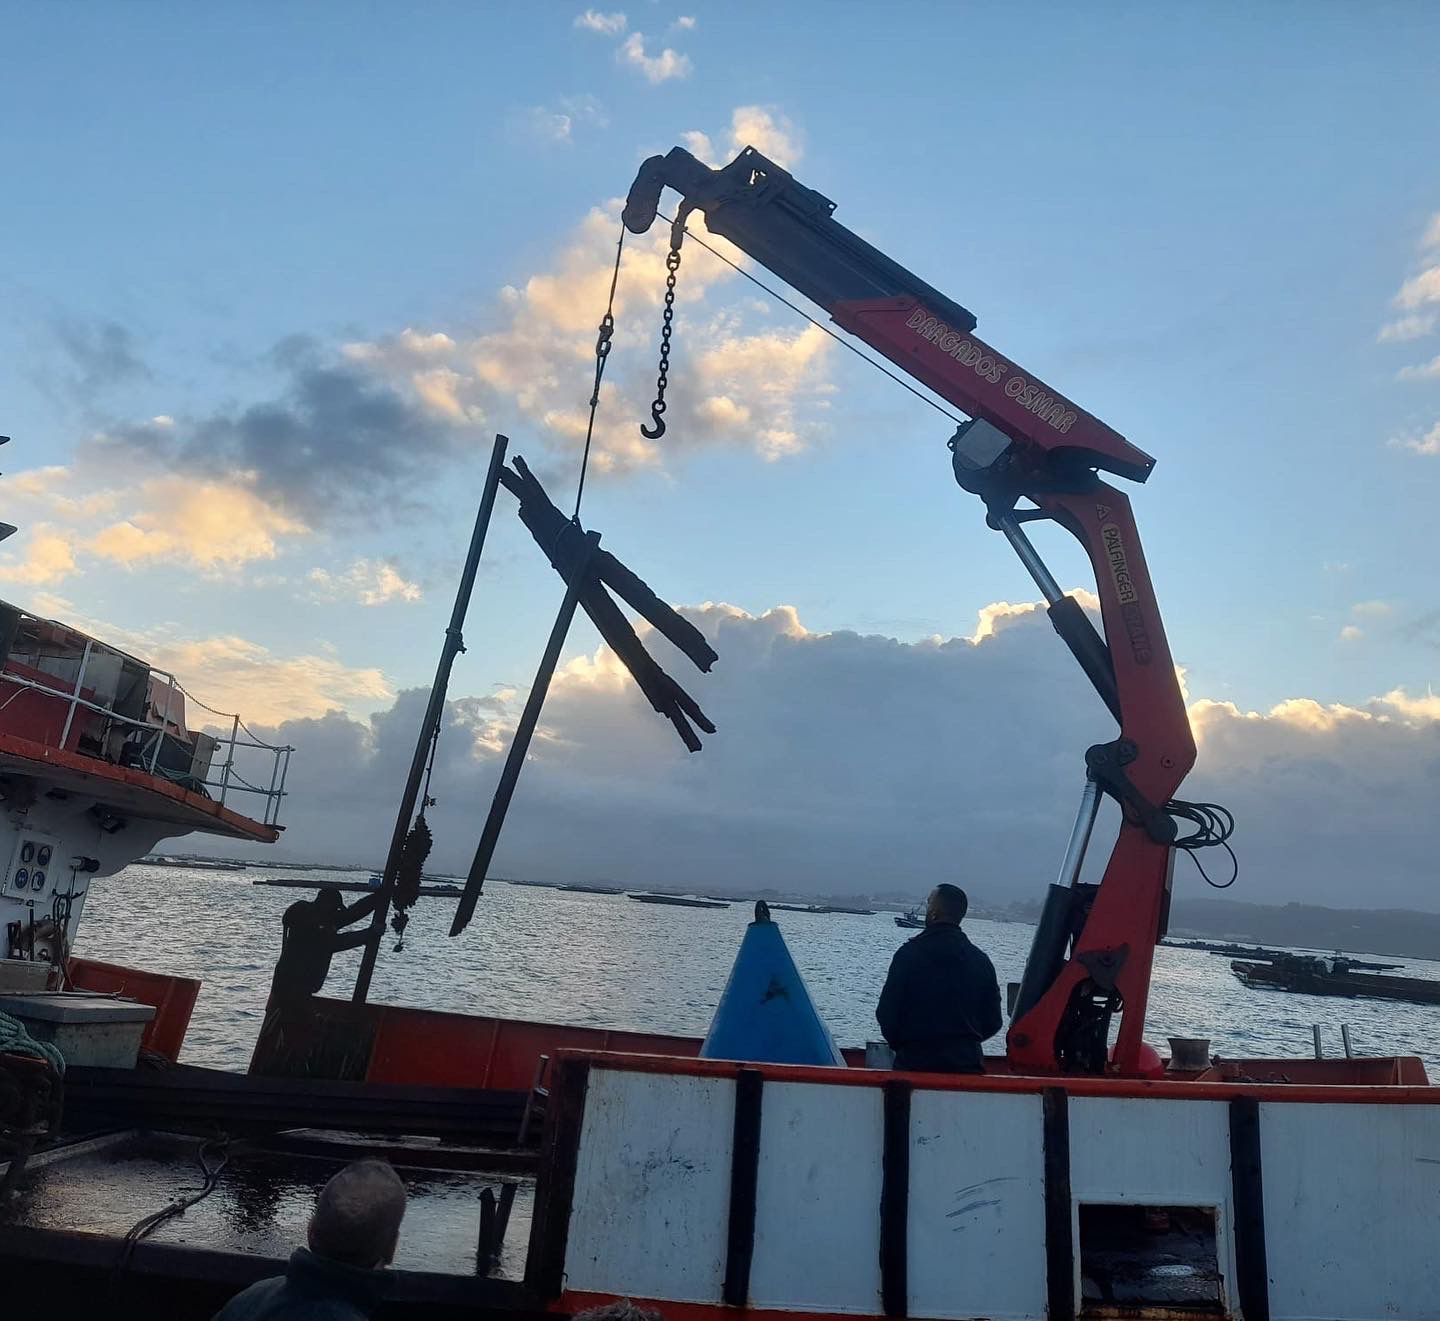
x: 1094, y: 945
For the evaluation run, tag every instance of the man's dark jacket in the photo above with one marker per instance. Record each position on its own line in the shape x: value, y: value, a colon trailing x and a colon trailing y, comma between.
x: 312, y: 1287
x: 940, y: 1001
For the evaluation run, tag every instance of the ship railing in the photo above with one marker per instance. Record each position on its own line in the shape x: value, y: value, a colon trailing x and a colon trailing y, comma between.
x: 272, y: 759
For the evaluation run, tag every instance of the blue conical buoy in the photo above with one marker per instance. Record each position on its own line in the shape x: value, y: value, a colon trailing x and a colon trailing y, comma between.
x: 765, y: 1012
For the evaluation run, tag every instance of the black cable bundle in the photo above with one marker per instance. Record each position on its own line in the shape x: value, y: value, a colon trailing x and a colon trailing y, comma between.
x: 1213, y: 827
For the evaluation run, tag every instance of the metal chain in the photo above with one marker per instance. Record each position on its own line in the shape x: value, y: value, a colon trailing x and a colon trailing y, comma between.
x: 656, y: 429
x: 602, y: 352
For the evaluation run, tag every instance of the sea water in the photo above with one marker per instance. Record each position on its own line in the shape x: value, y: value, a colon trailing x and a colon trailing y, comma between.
x: 606, y: 961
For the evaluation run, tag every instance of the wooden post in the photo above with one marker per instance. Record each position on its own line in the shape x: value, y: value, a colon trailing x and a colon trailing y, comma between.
x: 520, y: 743
x: 434, y: 712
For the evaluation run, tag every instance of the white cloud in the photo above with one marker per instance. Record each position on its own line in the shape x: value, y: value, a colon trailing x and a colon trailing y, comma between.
x: 766, y: 389
x: 607, y: 25
x: 659, y: 68
x: 48, y: 558
x: 1432, y: 233
x: 1372, y: 609
x: 763, y: 127
x: 686, y: 23
x: 1351, y: 633
x: 1405, y: 328
x: 369, y: 582
x: 1421, y: 371
x: 833, y: 745
x: 1428, y: 443
x: 1420, y: 290
x: 212, y: 526
x: 232, y: 674
x: 556, y: 125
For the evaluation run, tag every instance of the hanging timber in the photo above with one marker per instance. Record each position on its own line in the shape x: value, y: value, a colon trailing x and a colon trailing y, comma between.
x: 589, y: 574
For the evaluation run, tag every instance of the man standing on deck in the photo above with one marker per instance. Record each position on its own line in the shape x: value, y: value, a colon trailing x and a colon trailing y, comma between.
x: 941, y: 999
x: 312, y: 933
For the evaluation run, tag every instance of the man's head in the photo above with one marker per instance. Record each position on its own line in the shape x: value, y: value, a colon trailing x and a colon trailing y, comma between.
x: 946, y: 906
x: 357, y: 1219
x: 328, y: 902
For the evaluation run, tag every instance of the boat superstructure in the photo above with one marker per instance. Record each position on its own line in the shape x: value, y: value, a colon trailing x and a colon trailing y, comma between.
x: 103, y: 755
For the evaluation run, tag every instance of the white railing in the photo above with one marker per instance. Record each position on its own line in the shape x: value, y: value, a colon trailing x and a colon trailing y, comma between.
x: 153, y: 738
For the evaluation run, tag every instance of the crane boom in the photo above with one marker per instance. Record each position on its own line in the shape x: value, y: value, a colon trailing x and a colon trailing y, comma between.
x: 1094, y: 945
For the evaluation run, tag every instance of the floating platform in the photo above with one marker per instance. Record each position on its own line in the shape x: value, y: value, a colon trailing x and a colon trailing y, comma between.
x: 353, y: 887
x: 677, y: 901
x: 1332, y: 977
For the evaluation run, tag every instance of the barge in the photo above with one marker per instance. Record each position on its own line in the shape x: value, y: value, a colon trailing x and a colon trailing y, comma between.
x: 1304, y: 975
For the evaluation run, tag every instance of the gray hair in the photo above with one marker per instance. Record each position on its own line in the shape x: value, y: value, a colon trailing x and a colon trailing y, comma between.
x: 623, y: 1310
x: 357, y: 1218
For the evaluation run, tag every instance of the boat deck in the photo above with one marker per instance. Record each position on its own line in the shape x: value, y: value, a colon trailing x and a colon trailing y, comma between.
x: 260, y: 1205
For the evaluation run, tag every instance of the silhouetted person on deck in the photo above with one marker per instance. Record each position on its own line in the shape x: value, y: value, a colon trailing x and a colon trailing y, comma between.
x: 941, y: 999
x: 339, y: 1276
x: 311, y: 937
x: 312, y: 934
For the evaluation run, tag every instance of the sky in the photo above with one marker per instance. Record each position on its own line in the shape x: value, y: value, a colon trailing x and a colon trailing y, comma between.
x: 272, y: 277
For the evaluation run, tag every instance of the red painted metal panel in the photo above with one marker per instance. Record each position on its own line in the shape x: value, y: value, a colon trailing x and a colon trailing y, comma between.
x: 40, y: 716
x: 427, y: 1048
x: 173, y: 999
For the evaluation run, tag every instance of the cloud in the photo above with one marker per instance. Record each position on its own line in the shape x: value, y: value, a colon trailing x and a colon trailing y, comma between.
x: 834, y: 746
x: 1351, y: 633
x: 608, y: 25
x: 1417, y: 292
x: 212, y: 526
x: 317, y: 452
x: 659, y: 68
x: 49, y: 558
x: 368, y: 582
x: 1405, y: 328
x: 1428, y: 443
x: 102, y: 354
x: 1422, y: 371
x: 1372, y: 609
x: 763, y: 388
x: 1420, y: 290
x: 232, y: 674
x: 761, y: 127
x: 344, y: 432
x: 686, y: 23
x: 556, y: 125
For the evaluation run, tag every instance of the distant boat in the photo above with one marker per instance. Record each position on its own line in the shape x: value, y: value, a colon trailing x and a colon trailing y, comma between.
x: 821, y: 908
x: 911, y: 920
x: 676, y: 901
x: 592, y: 889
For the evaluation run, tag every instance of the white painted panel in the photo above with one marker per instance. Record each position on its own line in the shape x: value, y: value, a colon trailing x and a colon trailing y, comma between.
x: 652, y: 1187
x: 1156, y: 1153
x: 977, y: 1205
x: 817, y: 1208
x: 1352, y: 1210
x: 1143, y: 1149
